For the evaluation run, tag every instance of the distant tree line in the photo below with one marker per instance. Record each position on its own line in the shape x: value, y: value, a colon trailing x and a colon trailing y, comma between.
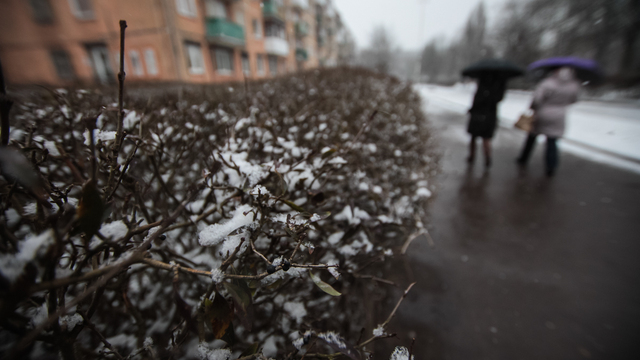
x: 604, y: 30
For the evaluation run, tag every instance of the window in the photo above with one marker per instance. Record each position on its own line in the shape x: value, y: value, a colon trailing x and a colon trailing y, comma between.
x: 42, y: 12
x: 239, y: 18
x: 215, y: 9
x: 82, y: 9
x: 224, y: 60
x: 260, y: 63
x: 99, y: 56
x: 187, y: 8
x: 136, y: 63
x: 62, y: 62
x: 150, y: 61
x: 257, y: 29
x: 194, y: 58
x: 246, y: 68
x: 274, y: 30
x: 273, y: 64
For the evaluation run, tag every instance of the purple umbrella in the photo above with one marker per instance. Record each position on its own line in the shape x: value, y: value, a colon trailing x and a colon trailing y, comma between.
x: 586, y: 69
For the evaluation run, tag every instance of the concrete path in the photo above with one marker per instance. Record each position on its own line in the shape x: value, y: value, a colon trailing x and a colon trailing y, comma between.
x: 524, y: 267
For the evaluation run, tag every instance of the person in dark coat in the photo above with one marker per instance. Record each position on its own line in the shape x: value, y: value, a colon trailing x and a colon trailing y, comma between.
x: 551, y: 99
x: 484, y: 114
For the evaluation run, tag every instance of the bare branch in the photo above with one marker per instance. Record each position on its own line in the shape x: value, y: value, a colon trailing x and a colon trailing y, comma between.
x: 106, y: 343
x: 393, y: 312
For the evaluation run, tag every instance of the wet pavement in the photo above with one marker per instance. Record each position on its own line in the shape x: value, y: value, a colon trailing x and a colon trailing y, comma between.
x: 524, y: 267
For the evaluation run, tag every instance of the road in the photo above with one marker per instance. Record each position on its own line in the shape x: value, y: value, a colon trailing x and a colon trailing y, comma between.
x: 524, y: 267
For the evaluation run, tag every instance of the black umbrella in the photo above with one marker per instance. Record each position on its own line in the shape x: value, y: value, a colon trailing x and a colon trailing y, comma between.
x: 498, y: 67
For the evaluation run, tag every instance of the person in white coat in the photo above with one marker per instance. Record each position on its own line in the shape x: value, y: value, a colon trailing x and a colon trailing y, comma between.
x: 550, y: 101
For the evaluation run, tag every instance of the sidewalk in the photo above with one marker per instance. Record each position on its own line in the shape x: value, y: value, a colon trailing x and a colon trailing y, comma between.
x: 600, y: 131
x: 524, y: 267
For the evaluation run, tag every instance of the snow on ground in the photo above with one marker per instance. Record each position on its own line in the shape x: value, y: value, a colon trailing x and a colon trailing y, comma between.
x: 600, y: 131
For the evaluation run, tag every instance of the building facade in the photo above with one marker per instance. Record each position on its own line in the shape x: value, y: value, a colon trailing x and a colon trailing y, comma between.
x: 64, y: 42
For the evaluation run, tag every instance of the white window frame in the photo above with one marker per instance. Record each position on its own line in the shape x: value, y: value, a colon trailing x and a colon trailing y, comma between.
x: 273, y: 71
x: 224, y: 60
x: 150, y: 61
x: 260, y: 64
x: 239, y: 17
x: 215, y: 9
x: 187, y: 8
x: 246, y: 64
x: 196, y: 60
x: 136, y: 63
x: 80, y: 13
x: 63, y: 64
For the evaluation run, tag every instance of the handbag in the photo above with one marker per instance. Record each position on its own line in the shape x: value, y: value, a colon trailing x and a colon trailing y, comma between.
x: 525, y: 122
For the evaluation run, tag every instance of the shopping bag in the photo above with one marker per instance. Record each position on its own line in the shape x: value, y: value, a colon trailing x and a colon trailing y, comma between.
x: 525, y: 122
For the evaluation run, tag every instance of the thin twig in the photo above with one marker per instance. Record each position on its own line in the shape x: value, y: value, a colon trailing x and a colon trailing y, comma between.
x: 124, y: 171
x: 301, y: 237
x: 5, y: 108
x: 319, y: 266
x: 409, y: 240
x: 120, y: 127
x: 106, y: 343
x: 253, y: 247
x: 404, y: 295
x: 231, y: 257
x: 413, y: 341
x: 91, y: 126
x: 187, y: 223
x: 374, y: 278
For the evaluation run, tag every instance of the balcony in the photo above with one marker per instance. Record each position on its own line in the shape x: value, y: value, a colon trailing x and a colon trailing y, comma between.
x: 271, y: 11
x: 276, y: 46
x: 301, y: 54
x: 302, y: 28
x: 224, y: 32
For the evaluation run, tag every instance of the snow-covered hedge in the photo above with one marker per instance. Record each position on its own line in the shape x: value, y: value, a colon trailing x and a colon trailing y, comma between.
x: 260, y: 214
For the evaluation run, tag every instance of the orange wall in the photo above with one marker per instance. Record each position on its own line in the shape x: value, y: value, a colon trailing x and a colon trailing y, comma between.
x: 25, y: 45
x: 254, y: 46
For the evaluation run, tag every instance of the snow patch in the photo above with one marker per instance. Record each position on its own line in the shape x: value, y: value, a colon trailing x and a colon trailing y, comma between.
x: 379, y: 331
x: 296, y: 310
x: 114, y: 230
x: 217, y: 276
x: 213, y: 354
x: 401, y: 353
x: 70, y: 321
x: 333, y: 338
x: 12, y: 265
x: 213, y: 234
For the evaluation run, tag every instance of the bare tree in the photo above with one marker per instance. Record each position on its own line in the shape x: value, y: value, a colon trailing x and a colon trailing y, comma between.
x: 473, y: 42
x: 604, y: 30
x: 431, y: 63
x: 381, y: 49
x: 517, y: 38
x: 346, y: 48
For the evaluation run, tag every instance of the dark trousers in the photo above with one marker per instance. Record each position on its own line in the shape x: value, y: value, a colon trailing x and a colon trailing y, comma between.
x: 551, y: 156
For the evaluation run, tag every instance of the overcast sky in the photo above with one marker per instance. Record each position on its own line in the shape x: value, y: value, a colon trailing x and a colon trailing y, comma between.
x: 402, y: 18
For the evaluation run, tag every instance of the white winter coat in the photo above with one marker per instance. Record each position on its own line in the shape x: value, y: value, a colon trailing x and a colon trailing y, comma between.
x: 550, y: 101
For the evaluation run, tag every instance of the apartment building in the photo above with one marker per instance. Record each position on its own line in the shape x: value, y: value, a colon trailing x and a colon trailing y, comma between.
x: 64, y: 42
